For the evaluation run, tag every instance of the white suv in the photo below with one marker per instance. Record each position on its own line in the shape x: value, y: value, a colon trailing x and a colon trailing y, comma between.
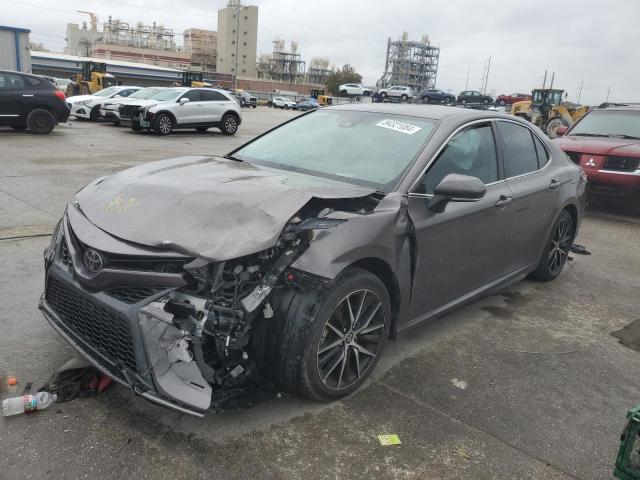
x: 403, y: 93
x: 88, y: 106
x: 283, y: 102
x: 180, y: 108
x: 353, y: 89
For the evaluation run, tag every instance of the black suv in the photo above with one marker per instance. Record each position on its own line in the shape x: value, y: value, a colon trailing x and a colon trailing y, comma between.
x: 29, y: 101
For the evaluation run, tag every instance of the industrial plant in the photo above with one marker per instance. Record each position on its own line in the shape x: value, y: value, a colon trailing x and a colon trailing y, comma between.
x: 410, y: 63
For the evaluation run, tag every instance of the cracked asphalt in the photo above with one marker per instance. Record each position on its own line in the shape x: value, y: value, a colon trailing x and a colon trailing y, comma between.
x: 528, y: 383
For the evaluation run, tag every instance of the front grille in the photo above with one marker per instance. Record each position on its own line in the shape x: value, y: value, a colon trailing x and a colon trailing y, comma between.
x: 574, y: 156
x: 129, y: 110
x: 101, y: 329
x: 622, y: 164
x: 133, y: 294
x: 134, y: 262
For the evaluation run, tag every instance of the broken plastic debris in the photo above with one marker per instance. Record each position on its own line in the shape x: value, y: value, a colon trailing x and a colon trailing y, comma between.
x: 12, y: 380
x: 580, y: 249
x: 391, y: 439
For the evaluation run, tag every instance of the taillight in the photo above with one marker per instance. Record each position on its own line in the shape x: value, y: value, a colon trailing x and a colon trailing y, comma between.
x: 60, y: 95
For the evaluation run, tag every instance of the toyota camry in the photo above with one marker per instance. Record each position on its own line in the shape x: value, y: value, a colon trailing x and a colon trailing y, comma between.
x: 294, y: 258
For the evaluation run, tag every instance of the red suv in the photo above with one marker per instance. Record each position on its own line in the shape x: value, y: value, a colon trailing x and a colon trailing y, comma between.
x: 512, y: 98
x: 606, y: 144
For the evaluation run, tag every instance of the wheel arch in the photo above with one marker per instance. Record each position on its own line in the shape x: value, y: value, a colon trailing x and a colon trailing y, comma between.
x: 234, y: 113
x: 168, y: 112
x: 384, y: 272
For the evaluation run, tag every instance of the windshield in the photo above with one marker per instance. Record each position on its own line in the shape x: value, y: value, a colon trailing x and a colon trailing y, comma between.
x: 362, y: 148
x: 169, y: 94
x: 107, y: 92
x: 611, y: 123
x: 145, y: 93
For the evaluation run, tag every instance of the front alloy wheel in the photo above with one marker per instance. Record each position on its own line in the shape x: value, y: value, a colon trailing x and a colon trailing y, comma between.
x: 163, y: 124
x: 351, y: 339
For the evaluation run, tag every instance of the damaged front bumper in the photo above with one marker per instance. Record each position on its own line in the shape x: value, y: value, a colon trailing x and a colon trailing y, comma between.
x: 113, y: 338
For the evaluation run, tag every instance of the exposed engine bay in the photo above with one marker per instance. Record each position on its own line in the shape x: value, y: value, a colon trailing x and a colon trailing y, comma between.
x: 200, y: 336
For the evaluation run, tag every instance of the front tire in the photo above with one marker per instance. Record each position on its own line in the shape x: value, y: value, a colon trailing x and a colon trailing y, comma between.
x: 163, y: 124
x: 332, y: 340
x: 94, y: 115
x: 404, y: 98
x: 229, y: 124
x: 556, y: 251
x: 40, y: 121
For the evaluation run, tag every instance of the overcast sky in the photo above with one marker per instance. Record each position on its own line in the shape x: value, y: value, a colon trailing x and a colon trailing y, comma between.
x: 580, y: 40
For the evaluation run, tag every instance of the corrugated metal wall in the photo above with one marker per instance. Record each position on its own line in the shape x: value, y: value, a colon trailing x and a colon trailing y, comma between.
x: 9, y: 48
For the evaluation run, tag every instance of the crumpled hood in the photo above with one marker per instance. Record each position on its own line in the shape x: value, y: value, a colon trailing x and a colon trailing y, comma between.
x: 80, y: 98
x: 209, y: 207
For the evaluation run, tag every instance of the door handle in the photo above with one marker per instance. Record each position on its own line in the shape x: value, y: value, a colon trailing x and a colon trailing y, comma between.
x: 27, y: 95
x: 504, y: 200
x: 554, y: 184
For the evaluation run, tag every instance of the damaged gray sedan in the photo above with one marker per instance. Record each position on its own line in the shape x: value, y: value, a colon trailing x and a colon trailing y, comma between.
x: 292, y: 260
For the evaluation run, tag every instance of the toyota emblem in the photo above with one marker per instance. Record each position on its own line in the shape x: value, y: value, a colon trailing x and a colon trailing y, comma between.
x: 93, y: 261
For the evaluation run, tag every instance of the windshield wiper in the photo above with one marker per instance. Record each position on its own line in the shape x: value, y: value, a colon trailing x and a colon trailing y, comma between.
x: 621, y: 135
x: 588, y: 135
x: 231, y: 157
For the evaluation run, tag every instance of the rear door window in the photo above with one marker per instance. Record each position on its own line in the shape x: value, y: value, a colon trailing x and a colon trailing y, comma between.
x: 212, y: 96
x: 519, y: 151
x: 543, y: 155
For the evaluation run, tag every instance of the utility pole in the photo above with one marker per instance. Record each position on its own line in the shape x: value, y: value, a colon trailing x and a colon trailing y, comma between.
x: 544, y: 82
x: 466, y: 86
x: 580, y: 90
x: 553, y: 75
x: 608, y: 92
x: 485, y: 80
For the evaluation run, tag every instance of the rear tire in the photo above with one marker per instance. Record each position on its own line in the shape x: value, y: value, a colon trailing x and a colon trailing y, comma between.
x: 322, y: 348
x: 163, y: 124
x: 404, y: 98
x: 556, y: 251
x: 485, y: 101
x: 40, y: 121
x: 229, y: 124
x: 463, y: 101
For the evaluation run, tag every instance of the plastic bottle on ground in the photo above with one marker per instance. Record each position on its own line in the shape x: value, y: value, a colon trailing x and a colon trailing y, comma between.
x: 27, y: 403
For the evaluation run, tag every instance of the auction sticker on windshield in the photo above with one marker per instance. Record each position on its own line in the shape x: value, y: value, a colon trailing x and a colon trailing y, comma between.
x: 398, y: 126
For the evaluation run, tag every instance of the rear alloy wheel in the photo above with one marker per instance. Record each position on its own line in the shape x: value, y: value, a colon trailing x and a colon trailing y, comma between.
x: 229, y: 124
x: 163, y: 124
x: 40, y: 121
x: 332, y: 343
x: 557, y: 250
x: 463, y: 101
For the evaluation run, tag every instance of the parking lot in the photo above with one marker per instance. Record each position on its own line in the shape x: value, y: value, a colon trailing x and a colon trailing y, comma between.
x: 528, y: 383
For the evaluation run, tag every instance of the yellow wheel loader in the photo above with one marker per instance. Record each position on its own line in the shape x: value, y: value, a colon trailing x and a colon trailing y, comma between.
x: 548, y: 111
x: 92, y: 79
x: 193, y: 79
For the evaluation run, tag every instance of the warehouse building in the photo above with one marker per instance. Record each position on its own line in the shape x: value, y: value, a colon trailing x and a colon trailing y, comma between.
x: 14, y: 49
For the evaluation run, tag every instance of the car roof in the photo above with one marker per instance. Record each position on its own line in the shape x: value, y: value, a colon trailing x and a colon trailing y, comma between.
x: 434, y: 112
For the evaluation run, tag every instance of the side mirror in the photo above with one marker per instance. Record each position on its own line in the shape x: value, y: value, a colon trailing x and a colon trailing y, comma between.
x: 561, y: 130
x: 117, y: 96
x: 183, y: 100
x: 456, y: 188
